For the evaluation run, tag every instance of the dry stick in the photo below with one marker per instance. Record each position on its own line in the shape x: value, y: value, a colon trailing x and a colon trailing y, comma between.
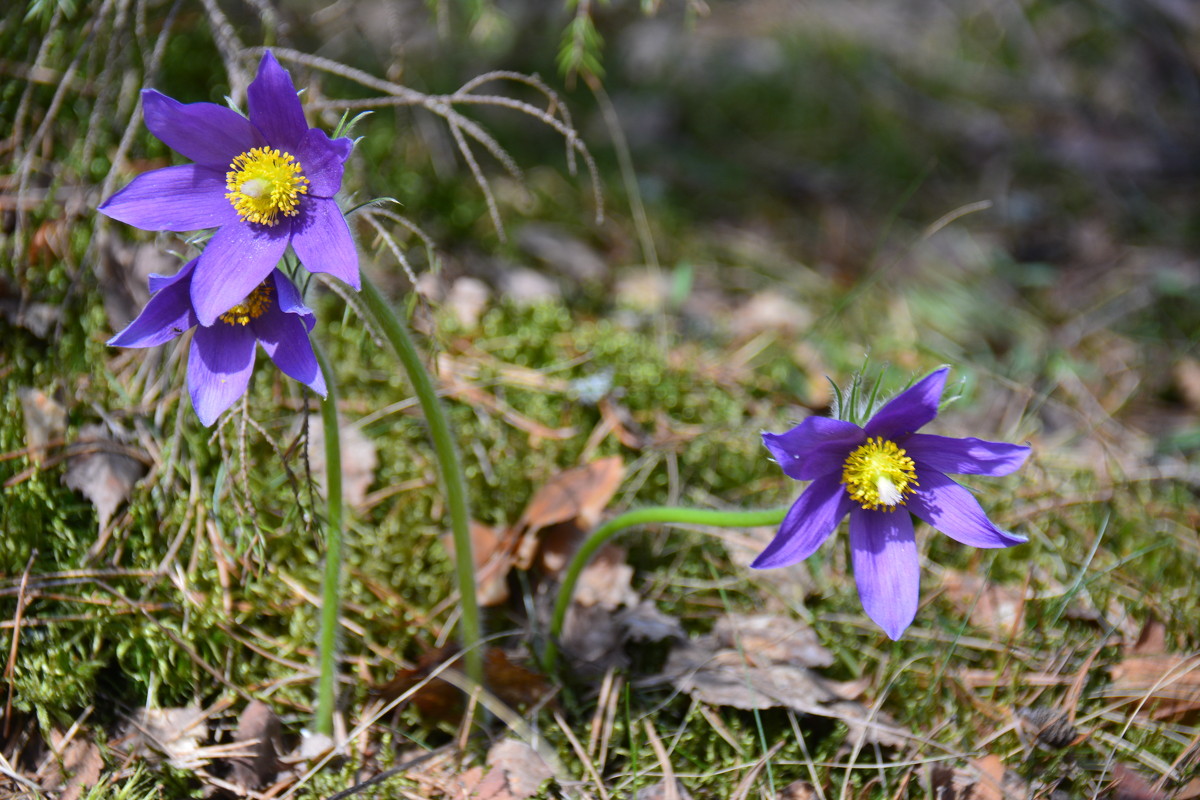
x: 16, y: 638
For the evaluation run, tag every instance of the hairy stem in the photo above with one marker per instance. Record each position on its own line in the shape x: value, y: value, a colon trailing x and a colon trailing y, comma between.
x: 642, y: 516
x: 453, y: 483
x: 330, y: 590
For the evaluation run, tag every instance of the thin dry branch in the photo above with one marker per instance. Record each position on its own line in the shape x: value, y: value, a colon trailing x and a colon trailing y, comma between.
x: 461, y: 127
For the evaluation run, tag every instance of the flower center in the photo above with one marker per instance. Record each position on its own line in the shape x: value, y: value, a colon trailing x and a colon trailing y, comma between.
x: 253, y: 307
x: 263, y: 183
x: 878, y: 473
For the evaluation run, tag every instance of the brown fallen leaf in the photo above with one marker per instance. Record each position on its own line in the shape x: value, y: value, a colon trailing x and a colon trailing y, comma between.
x: 1128, y: 784
x: 799, y: 790
x: 577, y: 496
x: 982, y: 779
x: 102, y: 471
x: 778, y: 639
x: 176, y: 733
x: 663, y: 791
x: 437, y: 700
x: 1168, y: 683
x: 992, y: 607
x: 72, y: 768
x: 606, y: 580
x: 549, y: 530
x: 747, y: 679
x: 45, y: 421
x: 261, y: 732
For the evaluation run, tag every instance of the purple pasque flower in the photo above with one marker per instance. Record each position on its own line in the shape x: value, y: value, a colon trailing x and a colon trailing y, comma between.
x: 878, y: 474
x: 263, y: 182
x: 222, y: 355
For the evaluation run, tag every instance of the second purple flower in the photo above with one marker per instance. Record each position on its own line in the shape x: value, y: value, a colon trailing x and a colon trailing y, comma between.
x: 264, y: 182
x: 877, y: 474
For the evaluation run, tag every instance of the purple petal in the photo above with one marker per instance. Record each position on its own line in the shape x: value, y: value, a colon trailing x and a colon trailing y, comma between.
x: 285, y: 338
x: 167, y: 314
x: 322, y: 159
x: 815, y: 447
x: 184, y: 198
x: 965, y: 456
x: 219, y: 368
x: 237, y: 259
x: 274, y: 107
x: 909, y: 410
x: 288, y: 298
x: 886, y: 567
x: 807, y: 525
x: 209, y: 134
x: 321, y: 239
x: 955, y: 512
x: 159, y: 282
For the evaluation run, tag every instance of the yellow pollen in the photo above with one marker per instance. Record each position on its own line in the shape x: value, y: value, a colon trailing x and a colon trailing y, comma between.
x: 253, y: 307
x: 264, y: 183
x: 878, y: 473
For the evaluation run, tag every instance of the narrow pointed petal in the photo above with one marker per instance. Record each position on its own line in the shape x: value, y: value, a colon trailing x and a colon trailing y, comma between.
x: 209, y: 134
x: 955, y: 512
x: 219, y: 367
x: 167, y: 314
x: 188, y: 197
x: 285, y: 338
x: 288, y: 298
x: 159, y: 282
x: 815, y: 447
x: 237, y: 259
x: 807, y: 525
x: 912, y: 408
x: 322, y: 240
x: 274, y: 107
x: 323, y: 160
x: 968, y: 456
x: 886, y: 567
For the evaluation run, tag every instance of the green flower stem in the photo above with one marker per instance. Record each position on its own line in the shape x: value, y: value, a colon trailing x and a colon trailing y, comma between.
x: 453, y: 482
x: 642, y: 516
x: 330, y: 590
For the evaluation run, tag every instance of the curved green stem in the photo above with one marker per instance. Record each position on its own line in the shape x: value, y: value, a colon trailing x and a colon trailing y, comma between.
x: 453, y: 482
x: 641, y: 516
x: 330, y: 589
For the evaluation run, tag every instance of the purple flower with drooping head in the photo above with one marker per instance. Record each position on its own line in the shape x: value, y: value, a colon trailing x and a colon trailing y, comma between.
x: 878, y: 474
x: 222, y: 354
x: 264, y: 182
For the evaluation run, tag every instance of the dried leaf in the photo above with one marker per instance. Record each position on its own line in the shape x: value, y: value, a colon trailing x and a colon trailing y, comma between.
x: 73, y: 769
x: 578, y: 496
x: 102, y: 472
x: 436, y: 699
x: 605, y: 581
x: 751, y: 679
x: 176, y: 733
x: 983, y: 779
x: 1128, y: 784
x: 799, y: 790
x: 359, y: 459
x: 646, y: 623
x: 991, y: 607
x: 261, y: 732
x: 782, y: 640
x: 592, y: 639
x: 1152, y: 639
x: 45, y: 421
x: 523, y: 769
x: 1169, y: 683
x: 1051, y: 727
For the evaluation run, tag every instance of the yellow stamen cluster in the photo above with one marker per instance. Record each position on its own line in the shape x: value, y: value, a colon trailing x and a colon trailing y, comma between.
x: 253, y: 307
x: 263, y: 183
x: 878, y: 473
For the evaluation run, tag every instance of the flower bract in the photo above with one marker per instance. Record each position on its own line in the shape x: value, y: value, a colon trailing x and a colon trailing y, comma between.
x: 263, y: 182
x: 881, y: 475
x: 222, y: 355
